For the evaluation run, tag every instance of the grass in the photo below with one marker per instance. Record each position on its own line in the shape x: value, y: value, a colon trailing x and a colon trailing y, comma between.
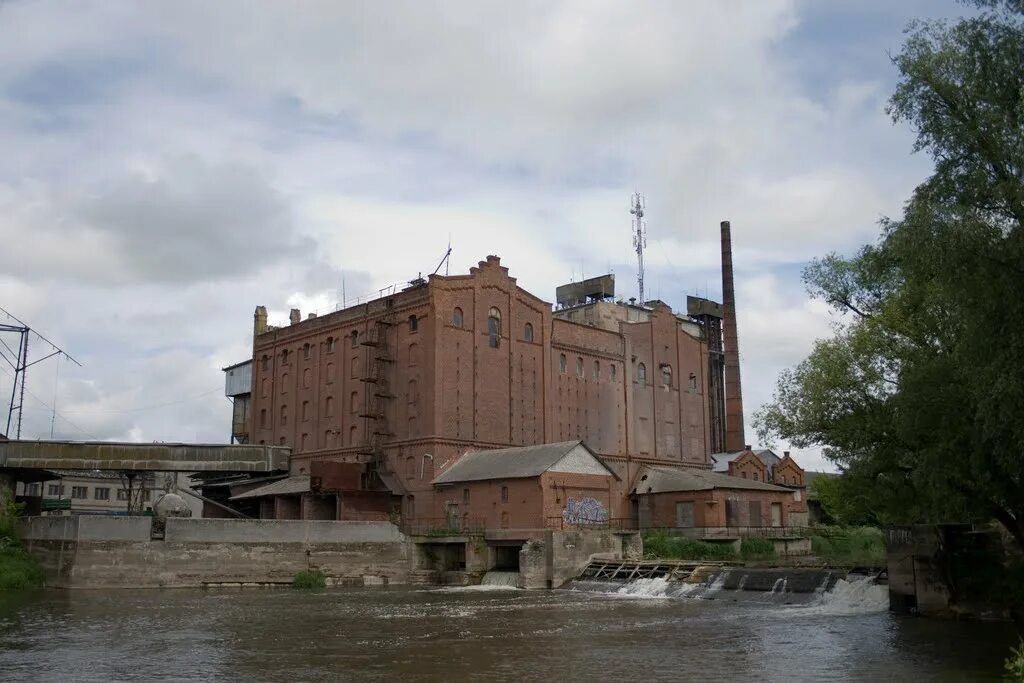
x: 309, y: 579
x: 662, y: 545
x: 855, y: 545
x: 757, y: 549
x: 1015, y: 664
x: 18, y: 570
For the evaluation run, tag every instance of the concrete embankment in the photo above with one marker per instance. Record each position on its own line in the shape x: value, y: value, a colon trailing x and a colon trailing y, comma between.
x: 118, y: 552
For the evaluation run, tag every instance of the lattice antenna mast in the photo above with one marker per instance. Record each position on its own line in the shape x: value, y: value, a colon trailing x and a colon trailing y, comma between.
x: 17, y: 358
x: 639, y: 239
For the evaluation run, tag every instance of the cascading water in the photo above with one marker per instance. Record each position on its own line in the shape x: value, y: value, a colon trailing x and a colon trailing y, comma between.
x: 852, y: 595
x: 645, y: 588
x: 500, y: 579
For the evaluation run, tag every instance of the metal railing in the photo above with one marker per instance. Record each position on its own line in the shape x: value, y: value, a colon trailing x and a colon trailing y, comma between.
x: 713, y: 532
x: 616, y: 524
x: 442, y: 526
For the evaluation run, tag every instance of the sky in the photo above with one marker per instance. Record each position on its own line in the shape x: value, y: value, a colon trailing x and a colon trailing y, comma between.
x: 167, y: 167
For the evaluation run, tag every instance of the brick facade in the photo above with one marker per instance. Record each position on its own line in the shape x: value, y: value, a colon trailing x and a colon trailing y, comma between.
x: 477, y: 362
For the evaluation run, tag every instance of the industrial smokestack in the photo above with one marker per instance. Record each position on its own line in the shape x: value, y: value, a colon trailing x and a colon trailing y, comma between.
x: 734, y: 436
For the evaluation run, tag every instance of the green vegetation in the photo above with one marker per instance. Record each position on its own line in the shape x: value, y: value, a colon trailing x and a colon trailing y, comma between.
x: 309, y: 579
x: 757, y: 549
x: 18, y: 571
x: 1015, y: 664
x: 860, y: 546
x: 663, y: 546
x: 917, y: 396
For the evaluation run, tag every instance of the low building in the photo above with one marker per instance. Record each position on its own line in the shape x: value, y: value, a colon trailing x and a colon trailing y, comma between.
x: 532, y: 487
x: 85, y: 493
x: 671, y: 497
x: 765, y: 466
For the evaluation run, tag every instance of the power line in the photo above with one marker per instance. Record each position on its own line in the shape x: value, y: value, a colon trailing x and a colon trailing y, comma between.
x: 51, y: 408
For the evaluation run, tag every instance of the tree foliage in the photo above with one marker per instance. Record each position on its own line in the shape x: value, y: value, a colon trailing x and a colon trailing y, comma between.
x: 919, y: 395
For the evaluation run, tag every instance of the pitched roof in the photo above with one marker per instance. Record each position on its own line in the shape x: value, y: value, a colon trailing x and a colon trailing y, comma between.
x: 659, y: 479
x: 292, y: 485
x: 721, y: 460
x: 511, y: 463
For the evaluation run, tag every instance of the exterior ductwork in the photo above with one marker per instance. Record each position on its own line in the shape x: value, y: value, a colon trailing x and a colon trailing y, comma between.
x: 734, y: 435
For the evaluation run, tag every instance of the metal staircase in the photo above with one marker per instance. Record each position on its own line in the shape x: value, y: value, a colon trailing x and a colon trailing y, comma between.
x: 377, y: 398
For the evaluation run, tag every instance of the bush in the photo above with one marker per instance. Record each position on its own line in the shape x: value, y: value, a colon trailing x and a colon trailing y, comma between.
x: 309, y: 579
x: 856, y: 545
x: 1015, y: 664
x: 757, y: 549
x: 18, y: 571
x: 664, y: 546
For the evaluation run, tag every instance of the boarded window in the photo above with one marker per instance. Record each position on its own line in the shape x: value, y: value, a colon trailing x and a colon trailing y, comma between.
x: 732, y: 513
x: 684, y: 514
x: 755, y: 513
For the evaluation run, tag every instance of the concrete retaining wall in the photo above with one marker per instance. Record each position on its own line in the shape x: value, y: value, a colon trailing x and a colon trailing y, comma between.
x: 116, y: 552
x: 562, y: 555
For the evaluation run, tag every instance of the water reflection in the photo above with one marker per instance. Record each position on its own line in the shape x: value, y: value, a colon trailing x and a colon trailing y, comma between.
x: 280, y: 635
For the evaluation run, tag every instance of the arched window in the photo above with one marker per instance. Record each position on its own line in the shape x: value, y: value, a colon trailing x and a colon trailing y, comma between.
x: 457, y: 317
x: 263, y: 417
x: 284, y: 357
x: 528, y: 333
x: 329, y: 406
x: 355, y: 367
x: 641, y: 373
x: 414, y: 323
x: 330, y: 345
x: 504, y: 494
x: 355, y: 338
x: 328, y: 438
x: 305, y: 441
x: 284, y: 415
x: 597, y: 370
x: 493, y: 327
x: 305, y: 410
x: 579, y: 366
x: 265, y: 362
x: 666, y: 375
x: 612, y: 372
x: 305, y: 351
x: 281, y: 441
x: 693, y: 383
x: 561, y: 363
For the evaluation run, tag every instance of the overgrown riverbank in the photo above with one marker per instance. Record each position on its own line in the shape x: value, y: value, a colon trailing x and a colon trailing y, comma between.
x: 839, y: 546
x: 18, y: 571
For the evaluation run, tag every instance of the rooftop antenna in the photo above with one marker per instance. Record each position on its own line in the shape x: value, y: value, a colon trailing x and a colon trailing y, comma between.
x: 18, y: 360
x: 639, y: 238
x: 444, y: 259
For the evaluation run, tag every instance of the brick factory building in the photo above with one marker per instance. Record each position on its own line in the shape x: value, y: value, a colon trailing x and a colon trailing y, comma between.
x: 407, y: 384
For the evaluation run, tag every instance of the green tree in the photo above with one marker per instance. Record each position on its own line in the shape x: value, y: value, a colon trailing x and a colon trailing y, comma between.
x: 919, y: 395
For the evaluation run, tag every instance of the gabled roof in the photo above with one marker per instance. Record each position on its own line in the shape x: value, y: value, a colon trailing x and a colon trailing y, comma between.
x: 721, y: 460
x: 290, y: 486
x: 663, y: 479
x: 514, y: 463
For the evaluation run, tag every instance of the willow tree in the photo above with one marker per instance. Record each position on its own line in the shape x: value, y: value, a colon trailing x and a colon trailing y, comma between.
x: 919, y: 395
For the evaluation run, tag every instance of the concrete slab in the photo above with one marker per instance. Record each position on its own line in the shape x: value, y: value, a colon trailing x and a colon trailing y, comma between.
x: 158, y: 457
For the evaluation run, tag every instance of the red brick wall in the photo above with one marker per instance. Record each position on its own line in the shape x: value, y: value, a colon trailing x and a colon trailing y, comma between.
x: 749, y: 466
x: 709, y: 508
x: 559, y: 487
x: 522, y: 510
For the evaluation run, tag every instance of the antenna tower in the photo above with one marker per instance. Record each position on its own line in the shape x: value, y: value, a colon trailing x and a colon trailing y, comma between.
x: 639, y: 238
x: 17, y: 358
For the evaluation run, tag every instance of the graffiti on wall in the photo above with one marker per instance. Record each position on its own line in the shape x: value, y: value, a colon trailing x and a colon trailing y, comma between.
x: 584, y: 511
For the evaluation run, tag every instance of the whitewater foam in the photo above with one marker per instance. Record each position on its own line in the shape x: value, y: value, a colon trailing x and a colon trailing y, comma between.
x: 850, y: 596
x: 645, y: 588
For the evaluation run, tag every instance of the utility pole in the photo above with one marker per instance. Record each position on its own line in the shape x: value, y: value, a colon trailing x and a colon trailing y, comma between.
x: 639, y: 239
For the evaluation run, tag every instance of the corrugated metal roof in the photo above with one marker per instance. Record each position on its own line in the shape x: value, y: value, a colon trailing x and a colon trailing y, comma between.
x: 510, y: 463
x: 653, y: 479
x: 285, y: 487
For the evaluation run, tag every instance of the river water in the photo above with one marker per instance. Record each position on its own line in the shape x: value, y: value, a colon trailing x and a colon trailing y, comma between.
x: 482, y: 634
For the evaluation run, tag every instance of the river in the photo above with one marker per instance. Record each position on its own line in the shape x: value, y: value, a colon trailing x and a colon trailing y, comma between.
x: 483, y: 634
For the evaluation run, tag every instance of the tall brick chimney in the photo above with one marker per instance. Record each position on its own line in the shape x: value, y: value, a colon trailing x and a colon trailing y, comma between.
x: 259, y: 321
x: 734, y: 436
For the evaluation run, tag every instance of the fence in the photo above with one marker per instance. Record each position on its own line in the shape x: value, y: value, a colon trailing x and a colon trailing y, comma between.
x: 442, y: 526
x: 615, y: 524
x: 713, y: 532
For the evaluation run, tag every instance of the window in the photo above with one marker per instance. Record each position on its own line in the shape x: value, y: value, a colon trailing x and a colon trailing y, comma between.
x: 284, y: 357
x: 465, y: 496
x: 305, y: 410
x: 457, y: 317
x: 266, y: 388
x: 493, y: 327
x: 79, y: 492
x: 330, y: 345
x: 145, y: 495
x: 757, y: 476
x: 328, y: 438
x: 33, y: 489
x: 504, y: 494
x: 122, y: 494
x: 579, y: 366
x: 101, y: 493
x: 284, y: 415
x: 353, y: 402
x: 305, y: 351
x: 528, y: 333
x: 284, y: 383
x: 693, y: 383
x: 263, y: 417
x: 641, y: 374
x: 743, y: 474
x: 666, y: 375
x: 414, y: 323
x: 54, y: 490
x: 352, y: 435
x: 414, y: 354
x: 411, y: 506
x: 561, y: 363
x: 329, y: 406
x: 305, y: 441
x: 330, y: 372
x: 612, y: 372
x: 265, y: 362
x: 281, y: 441
x: 796, y: 496
x: 307, y: 378
x: 355, y: 338
x: 597, y: 370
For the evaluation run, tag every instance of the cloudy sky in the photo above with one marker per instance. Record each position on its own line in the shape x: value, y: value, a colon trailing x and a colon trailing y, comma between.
x: 165, y: 167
